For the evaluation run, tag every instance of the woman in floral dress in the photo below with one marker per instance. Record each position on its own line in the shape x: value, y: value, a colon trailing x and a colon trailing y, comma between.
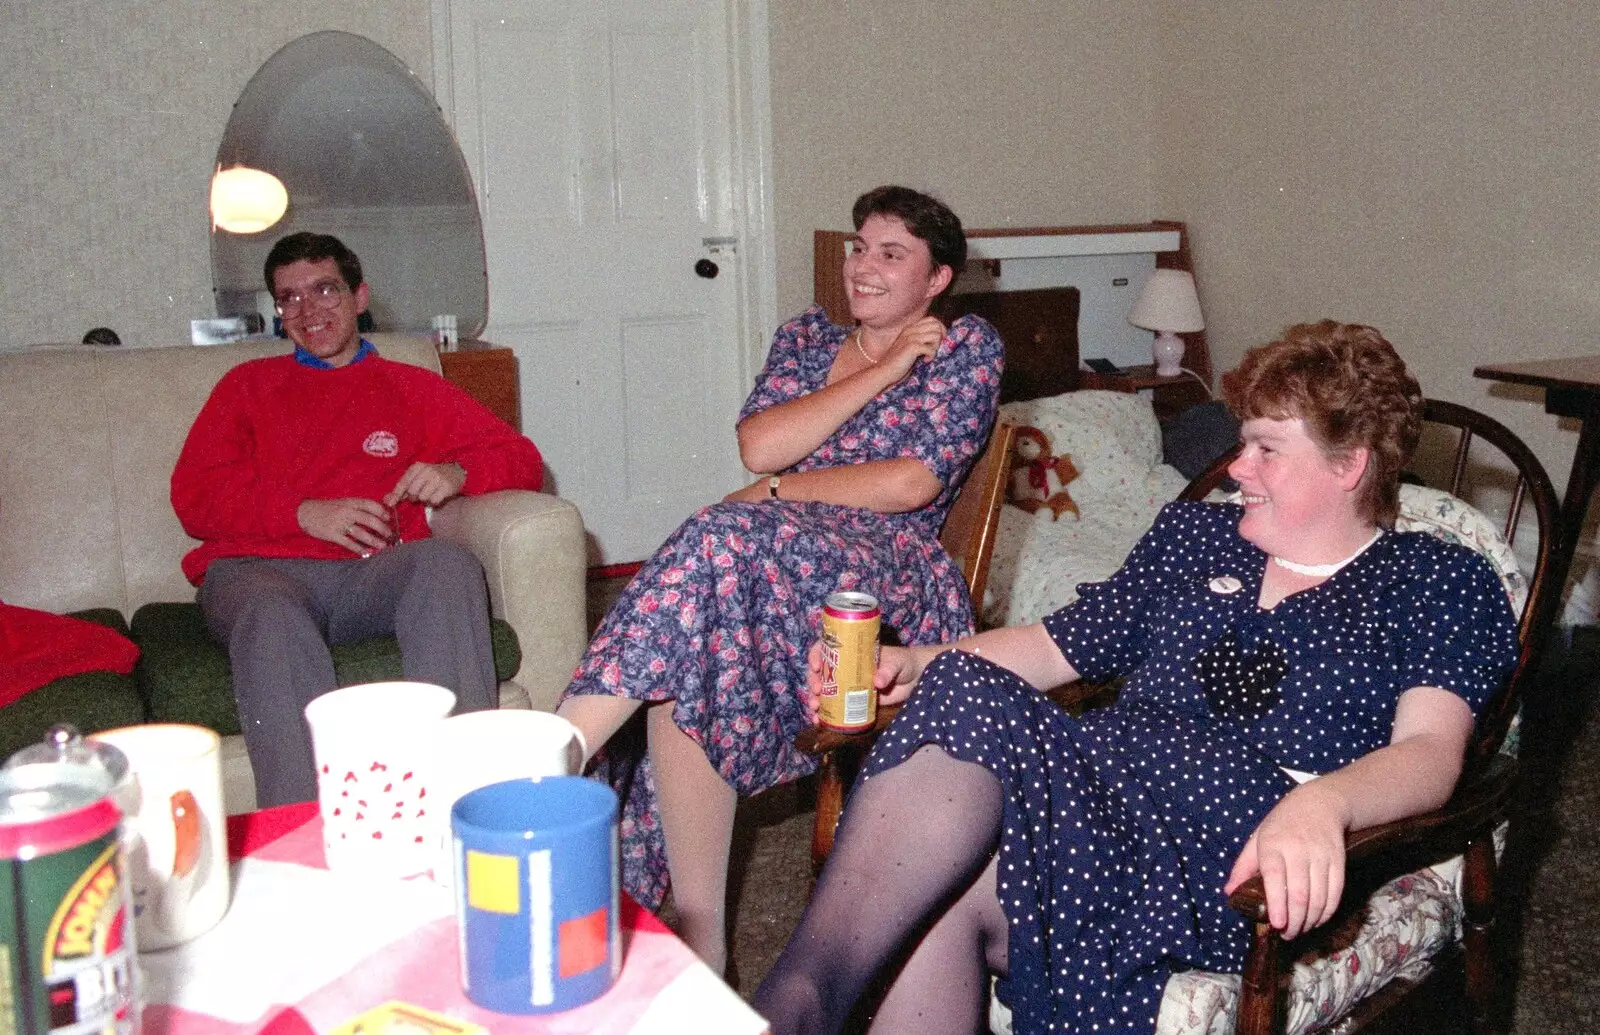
x: 869, y: 432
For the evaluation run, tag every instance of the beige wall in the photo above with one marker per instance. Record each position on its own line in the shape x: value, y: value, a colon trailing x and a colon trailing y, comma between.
x: 1426, y: 166
x: 1019, y: 113
x: 1015, y: 113
x: 112, y: 117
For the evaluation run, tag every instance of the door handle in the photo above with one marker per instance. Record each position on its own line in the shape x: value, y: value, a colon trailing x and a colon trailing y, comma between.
x: 706, y: 268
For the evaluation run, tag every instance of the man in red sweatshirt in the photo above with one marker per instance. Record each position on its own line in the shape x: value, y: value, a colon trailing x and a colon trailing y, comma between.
x: 306, y: 478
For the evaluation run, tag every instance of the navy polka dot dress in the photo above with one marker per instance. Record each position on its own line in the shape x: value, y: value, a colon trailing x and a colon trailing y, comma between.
x: 1120, y: 827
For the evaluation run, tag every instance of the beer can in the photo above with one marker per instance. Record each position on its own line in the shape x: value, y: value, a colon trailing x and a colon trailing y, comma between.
x: 66, y: 921
x: 849, y: 659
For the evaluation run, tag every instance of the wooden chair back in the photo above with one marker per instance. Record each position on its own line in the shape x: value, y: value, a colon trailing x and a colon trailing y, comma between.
x: 973, y: 522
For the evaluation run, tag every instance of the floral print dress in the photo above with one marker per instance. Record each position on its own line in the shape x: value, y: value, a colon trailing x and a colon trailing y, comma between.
x: 720, y: 619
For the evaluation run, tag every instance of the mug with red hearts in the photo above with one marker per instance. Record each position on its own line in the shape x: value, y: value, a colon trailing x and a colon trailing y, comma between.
x: 374, y: 784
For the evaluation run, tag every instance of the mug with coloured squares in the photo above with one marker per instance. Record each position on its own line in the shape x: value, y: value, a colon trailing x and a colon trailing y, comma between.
x: 371, y: 744
x: 537, y: 893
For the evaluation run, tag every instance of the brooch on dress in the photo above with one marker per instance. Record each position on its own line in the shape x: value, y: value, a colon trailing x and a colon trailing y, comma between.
x: 1227, y: 585
x: 1240, y: 682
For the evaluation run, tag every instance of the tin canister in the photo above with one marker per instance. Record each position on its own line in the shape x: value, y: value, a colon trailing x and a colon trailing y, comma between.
x: 66, y: 923
x: 849, y: 659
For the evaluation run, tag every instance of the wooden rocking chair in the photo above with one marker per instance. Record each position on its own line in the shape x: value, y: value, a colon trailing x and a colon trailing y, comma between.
x: 1463, y: 826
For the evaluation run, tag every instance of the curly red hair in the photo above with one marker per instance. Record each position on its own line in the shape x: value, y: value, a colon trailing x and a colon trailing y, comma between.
x: 1352, y: 390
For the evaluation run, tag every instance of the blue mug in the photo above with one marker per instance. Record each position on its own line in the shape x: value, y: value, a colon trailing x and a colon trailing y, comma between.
x: 536, y: 868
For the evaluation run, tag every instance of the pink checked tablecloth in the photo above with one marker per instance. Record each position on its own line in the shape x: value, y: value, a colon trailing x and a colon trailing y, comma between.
x: 303, y: 949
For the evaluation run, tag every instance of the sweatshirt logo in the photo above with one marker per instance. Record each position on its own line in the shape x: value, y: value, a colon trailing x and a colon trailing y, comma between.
x: 381, y: 443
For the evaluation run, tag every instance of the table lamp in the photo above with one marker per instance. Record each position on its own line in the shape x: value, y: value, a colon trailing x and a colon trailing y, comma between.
x: 1168, y: 305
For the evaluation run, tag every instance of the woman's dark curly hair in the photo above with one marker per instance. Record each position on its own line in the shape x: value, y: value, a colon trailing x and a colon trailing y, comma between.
x: 1350, y: 387
x: 925, y: 216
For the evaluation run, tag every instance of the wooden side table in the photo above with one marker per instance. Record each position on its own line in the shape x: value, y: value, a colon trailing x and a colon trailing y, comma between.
x: 1170, y: 396
x: 488, y: 373
x: 1571, y: 389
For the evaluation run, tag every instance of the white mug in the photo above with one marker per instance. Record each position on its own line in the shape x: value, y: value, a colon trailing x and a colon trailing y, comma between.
x: 480, y: 748
x: 374, y: 781
x: 174, y: 830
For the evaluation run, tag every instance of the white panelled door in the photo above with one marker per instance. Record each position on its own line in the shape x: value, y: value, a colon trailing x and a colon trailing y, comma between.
x: 600, y: 134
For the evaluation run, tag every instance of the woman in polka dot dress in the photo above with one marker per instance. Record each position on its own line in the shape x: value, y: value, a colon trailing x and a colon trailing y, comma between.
x: 872, y: 432
x: 1086, y: 860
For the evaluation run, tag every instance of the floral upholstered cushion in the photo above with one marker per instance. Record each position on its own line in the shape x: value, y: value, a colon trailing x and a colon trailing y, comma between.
x: 1405, y: 924
x: 1423, y: 509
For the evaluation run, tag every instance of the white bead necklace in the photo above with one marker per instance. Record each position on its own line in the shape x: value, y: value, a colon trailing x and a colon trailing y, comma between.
x: 1324, y: 570
x: 856, y: 335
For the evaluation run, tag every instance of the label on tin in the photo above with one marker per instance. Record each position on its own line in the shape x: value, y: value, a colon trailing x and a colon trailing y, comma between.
x: 66, y: 951
x: 849, y: 660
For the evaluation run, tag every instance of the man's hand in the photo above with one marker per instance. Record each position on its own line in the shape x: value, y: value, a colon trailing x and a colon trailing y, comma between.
x: 1299, y: 851
x: 428, y: 484
x: 359, y: 525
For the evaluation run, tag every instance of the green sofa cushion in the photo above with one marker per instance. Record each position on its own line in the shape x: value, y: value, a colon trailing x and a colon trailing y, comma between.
x: 90, y: 701
x: 185, y: 677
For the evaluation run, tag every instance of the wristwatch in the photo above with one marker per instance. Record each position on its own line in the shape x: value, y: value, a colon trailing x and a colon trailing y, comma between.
x: 772, y: 487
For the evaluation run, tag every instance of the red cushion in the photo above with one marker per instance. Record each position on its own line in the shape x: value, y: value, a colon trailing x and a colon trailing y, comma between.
x: 37, y: 647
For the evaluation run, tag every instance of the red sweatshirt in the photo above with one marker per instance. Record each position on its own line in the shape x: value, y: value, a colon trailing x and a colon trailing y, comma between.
x: 275, y: 433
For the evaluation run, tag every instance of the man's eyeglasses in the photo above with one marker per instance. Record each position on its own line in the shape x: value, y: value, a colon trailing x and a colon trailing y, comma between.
x: 323, y: 294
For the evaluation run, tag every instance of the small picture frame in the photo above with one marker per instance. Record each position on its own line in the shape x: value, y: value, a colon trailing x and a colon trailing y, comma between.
x: 219, y: 331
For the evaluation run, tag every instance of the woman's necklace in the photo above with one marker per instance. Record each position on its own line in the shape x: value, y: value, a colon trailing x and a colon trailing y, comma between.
x: 1325, y: 570
x: 856, y: 336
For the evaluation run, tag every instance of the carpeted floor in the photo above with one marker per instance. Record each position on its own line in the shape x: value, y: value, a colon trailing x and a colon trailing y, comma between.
x: 1549, y: 938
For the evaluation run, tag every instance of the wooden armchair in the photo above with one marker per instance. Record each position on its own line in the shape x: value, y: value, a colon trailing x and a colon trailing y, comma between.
x: 1464, y: 826
x: 968, y: 537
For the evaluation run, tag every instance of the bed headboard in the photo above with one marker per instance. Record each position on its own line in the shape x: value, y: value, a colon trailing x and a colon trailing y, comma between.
x: 1040, y: 329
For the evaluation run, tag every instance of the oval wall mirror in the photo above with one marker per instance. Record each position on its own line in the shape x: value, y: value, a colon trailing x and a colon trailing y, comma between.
x: 366, y: 156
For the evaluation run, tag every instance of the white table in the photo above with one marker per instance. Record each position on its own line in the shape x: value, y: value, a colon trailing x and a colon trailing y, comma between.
x: 303, y: 949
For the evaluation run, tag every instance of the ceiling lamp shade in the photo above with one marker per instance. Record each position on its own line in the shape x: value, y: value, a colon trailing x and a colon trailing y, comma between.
x: 1168, y: 304
x: 246, y: 201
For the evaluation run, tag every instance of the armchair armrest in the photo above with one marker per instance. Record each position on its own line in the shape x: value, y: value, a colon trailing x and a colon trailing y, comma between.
x: 531, y: 545
x: 1377, y: 855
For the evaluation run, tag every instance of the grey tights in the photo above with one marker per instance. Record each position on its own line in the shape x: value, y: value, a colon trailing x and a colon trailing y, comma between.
x: 910, y: 883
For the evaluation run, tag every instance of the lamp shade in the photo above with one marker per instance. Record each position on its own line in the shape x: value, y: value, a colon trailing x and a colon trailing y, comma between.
x: 246, y: 201
x: 1168, y: 303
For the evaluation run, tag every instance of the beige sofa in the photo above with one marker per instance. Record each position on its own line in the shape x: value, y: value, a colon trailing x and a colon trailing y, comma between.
x: 88, y: 438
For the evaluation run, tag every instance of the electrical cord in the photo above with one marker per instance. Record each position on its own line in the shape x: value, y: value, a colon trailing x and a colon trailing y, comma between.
x: 1197, y: 377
